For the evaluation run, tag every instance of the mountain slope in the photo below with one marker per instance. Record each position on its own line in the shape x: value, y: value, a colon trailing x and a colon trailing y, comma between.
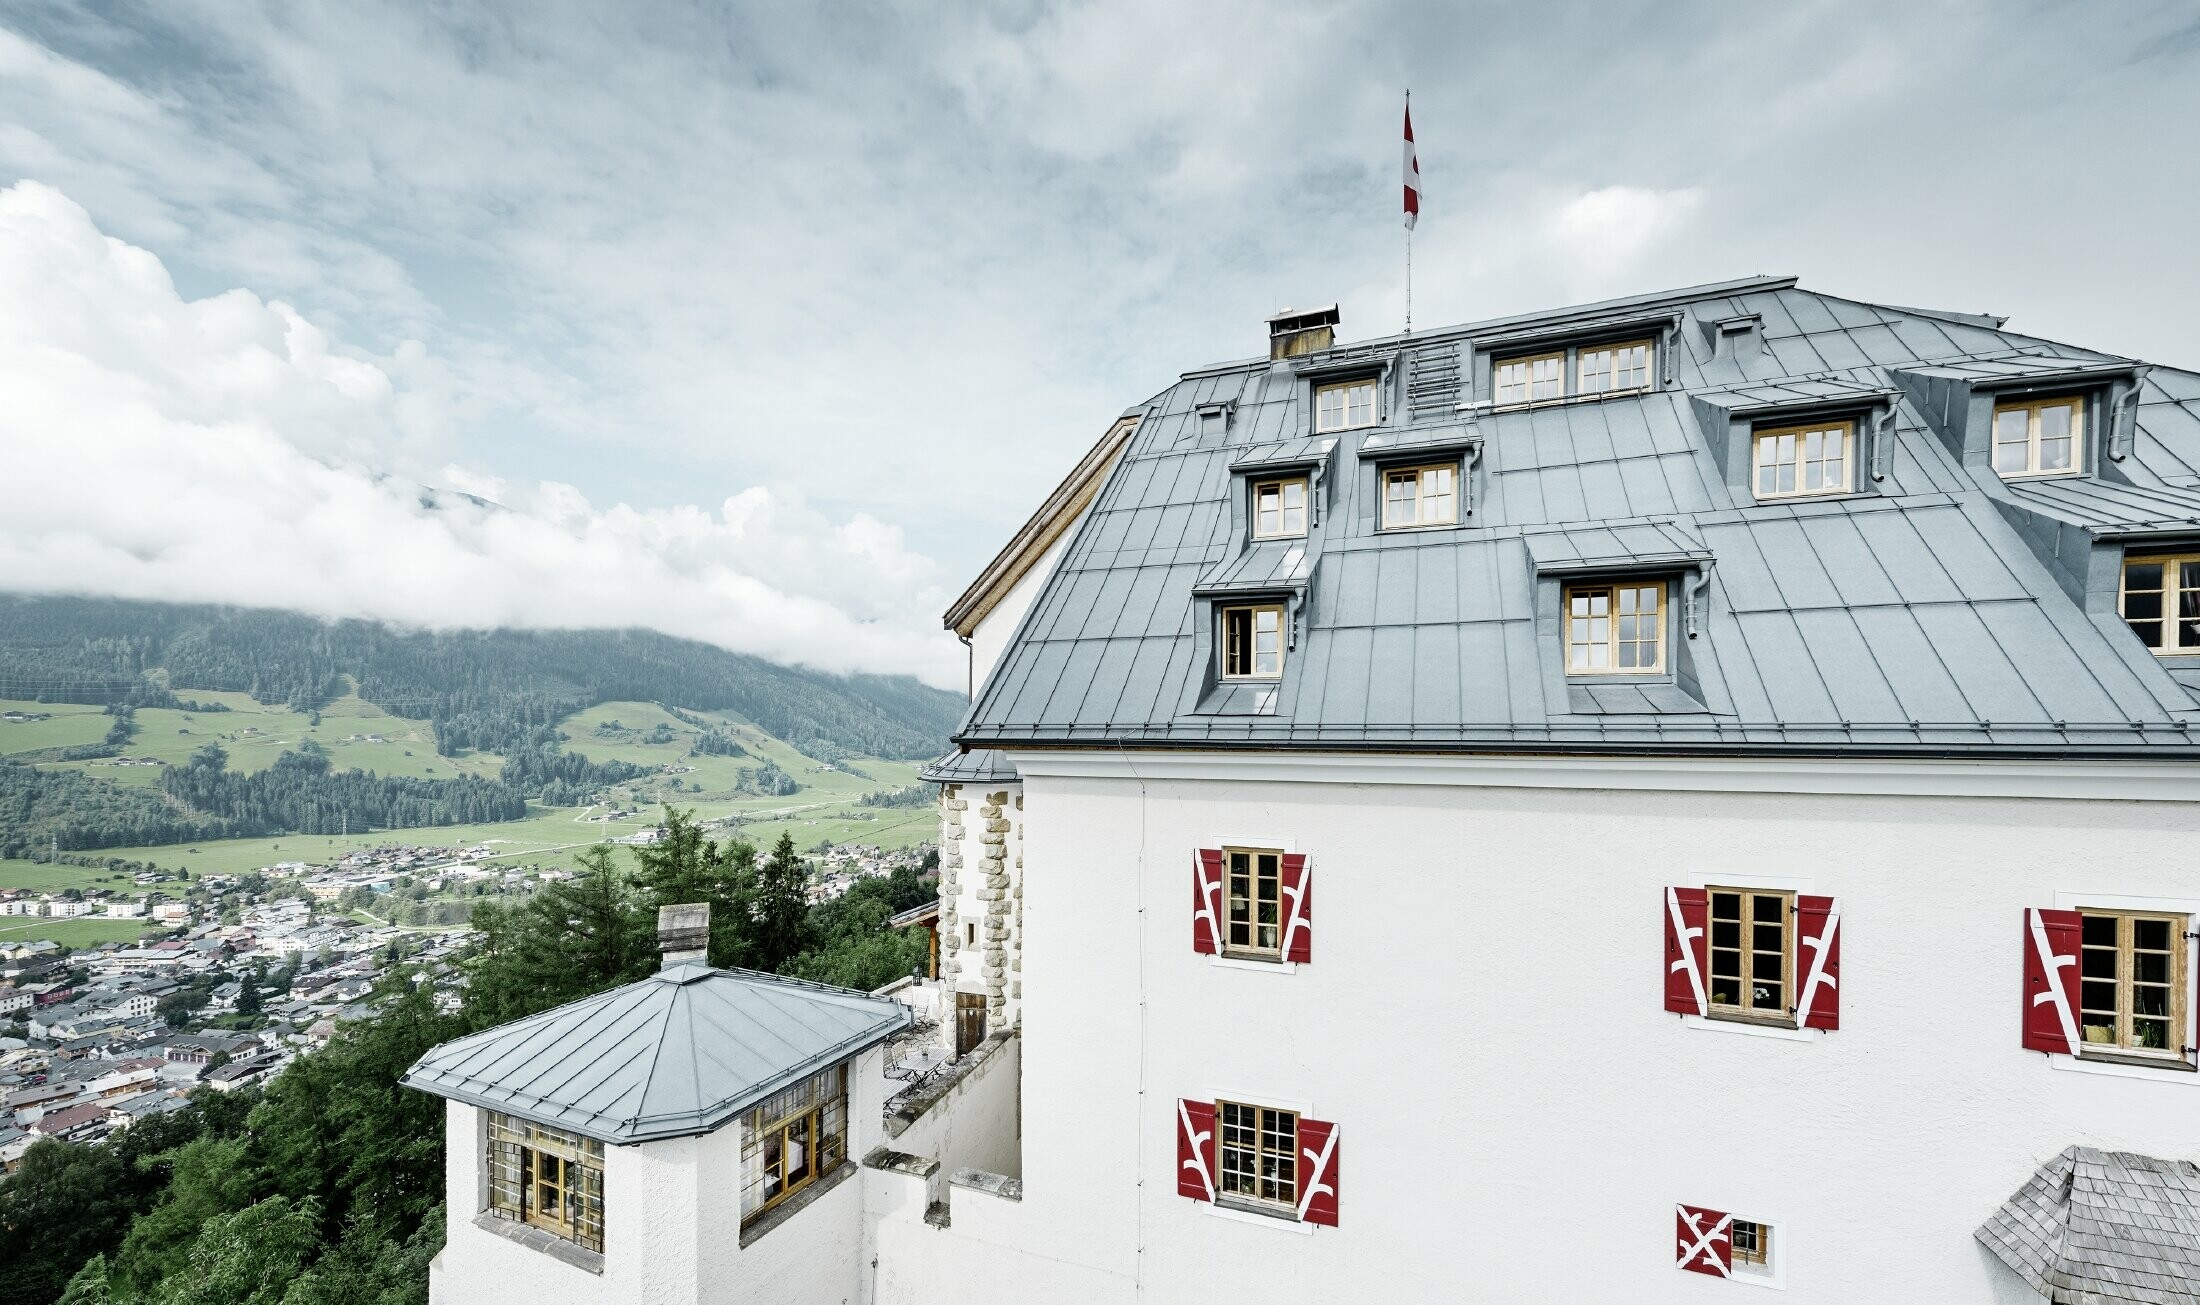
x: 488, y: 690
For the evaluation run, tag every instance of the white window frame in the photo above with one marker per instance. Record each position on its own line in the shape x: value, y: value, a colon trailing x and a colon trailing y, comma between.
x: 1419, y: 472
x: 1760, y: 436
x: 1373, y: 386
x: 1283, y: 511
x: 1528, y: 382
x: 2082, y: 404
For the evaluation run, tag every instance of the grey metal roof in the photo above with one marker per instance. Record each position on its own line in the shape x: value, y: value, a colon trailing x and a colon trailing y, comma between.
x: 2104, y: 1228
x: 676, y: 1054
x: 1916, y: 616
x: 975, y: 766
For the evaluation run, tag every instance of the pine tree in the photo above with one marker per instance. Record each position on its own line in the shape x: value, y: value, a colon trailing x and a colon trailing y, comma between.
x: 781, y: 908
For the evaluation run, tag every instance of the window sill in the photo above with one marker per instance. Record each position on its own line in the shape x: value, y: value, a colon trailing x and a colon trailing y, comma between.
x: 2124, y: 1064
x: 540, y: 1239
x: 1414, y: 530
x: 795, y: 1204
x: 1748, y: 1028
x: 1264, y: 1216
x: 2069, y: 474
x: 1564, y: 400
x: 1253, y: 964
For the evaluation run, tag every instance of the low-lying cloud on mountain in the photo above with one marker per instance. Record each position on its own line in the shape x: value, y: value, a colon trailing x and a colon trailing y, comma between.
x: 226, y: 449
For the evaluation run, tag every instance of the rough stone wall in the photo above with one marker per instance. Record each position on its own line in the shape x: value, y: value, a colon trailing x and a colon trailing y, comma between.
x: 981, y: 883
x: 952, y: 807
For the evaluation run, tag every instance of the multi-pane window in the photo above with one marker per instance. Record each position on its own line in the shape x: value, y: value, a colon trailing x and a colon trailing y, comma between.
x: 1609, y: 367
x: 2161, y: 602
x: 1258, y: 1153
x: 1253, y: 920
x: 1615, y: 629
x: 548, y: 1178
x: 1527, y: 380
x: 2039, y: 437
x: 1752, y: 1243
x: 1252, y: 643
x: 1343, y: 405
x: 1279, y: 508
x: 1751, y: 952
x: 2132, y: 981
x: 1421, y: 496
x: 1798, y: 460
x: 793, y: 1139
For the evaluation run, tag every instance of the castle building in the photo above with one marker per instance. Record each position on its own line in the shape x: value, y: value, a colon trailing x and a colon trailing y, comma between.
x: 1639, y: 802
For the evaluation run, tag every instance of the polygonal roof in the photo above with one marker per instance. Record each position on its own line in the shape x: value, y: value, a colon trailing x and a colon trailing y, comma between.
x: 677, y: 1054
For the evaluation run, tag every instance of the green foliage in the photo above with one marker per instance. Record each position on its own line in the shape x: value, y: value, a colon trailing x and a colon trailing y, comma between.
x: 250, y: 1257
x: 63, y: 1204
x: 208, y: 1177
x: 571, y: 939
x: 781, y: 908
x: 684, y: 866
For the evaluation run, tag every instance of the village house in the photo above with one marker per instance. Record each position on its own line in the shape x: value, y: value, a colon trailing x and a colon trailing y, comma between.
x: 1743, y: 738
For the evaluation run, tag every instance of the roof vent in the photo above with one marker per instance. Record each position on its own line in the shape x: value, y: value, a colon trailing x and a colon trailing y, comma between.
x: 683, y: 933
x: 1291, y: 333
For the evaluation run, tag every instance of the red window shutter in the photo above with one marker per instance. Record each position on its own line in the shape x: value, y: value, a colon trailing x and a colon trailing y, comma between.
x: 2051, y: 981
x: 1207, y: 901
x: 1687, y: 950
x: 1703, y: 1240
x: 1195, y: 1149
x: 1818, y: 958
x: 1298, y: 915
x: 1318, y: 1171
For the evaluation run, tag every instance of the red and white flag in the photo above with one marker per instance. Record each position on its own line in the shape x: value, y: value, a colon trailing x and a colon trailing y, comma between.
x: 1412, y: 172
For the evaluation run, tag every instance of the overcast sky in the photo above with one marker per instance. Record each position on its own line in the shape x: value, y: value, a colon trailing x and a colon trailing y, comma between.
x: 769, y: 324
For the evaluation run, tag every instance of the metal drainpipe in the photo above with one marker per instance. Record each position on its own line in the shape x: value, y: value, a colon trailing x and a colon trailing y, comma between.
x: 970, y: 669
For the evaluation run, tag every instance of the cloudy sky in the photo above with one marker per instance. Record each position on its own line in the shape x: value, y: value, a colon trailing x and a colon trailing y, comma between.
x: 768, y: 324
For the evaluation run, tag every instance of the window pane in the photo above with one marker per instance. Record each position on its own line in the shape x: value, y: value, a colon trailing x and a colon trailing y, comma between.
x: 2149, y: 632
x: 1768, y: 908
x: 2143, y: 606
x: 2143, y: 575
x: 2098, y: 930
x: 2150, y: 1034
x: 2099, y: 963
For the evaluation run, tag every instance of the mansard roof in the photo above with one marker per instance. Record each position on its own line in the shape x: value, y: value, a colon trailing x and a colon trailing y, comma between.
x: 676, y: 1054
x: 1937, y: 610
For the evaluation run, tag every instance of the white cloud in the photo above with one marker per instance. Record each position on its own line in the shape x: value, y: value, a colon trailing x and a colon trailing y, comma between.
x: 225, y: 449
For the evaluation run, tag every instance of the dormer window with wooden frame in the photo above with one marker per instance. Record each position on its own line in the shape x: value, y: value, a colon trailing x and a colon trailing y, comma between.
x: 1621, y: 367
x: 1279, y: 508
x: 1252, y: 642
x: 1616, y: 628
x: 1417, y: 497
x: 2039, y: 437
x: 1345, y: 405
x: 2160, y: 601
x: 1800, y: 461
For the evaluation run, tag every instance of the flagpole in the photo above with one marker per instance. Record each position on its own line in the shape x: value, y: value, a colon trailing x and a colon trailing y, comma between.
x: 1409, y: 227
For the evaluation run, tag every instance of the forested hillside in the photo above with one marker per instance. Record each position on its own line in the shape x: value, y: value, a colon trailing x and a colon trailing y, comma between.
x: 497, y: 691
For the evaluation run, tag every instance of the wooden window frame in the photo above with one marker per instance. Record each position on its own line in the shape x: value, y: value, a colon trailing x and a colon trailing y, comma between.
x: 1527, y: 384
x: 1419, y: 474
x: 2079, y: 403
x: 1649, y: 360
x: 2125, y: 952
x: 1758, y: 1252
x: 2172, y: 564
x: 1374, y: 387
x: 1230, y: 647
x: 1761, y: 437
x: 1281, y: 485
x: 1255, y: 878
x: 1743, y: 1012
x: 1266, y: 1145
x: 1611, y: 590
x: 519, y: 1153
x: 825, y: 1151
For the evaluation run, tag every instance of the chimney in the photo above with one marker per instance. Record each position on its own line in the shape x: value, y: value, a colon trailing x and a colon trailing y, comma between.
x: 1292, y: 333
x: 683, y: 933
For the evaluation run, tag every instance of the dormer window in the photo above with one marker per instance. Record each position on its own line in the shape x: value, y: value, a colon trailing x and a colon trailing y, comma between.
x: 1617, y: 368
x: 1527, y: 380
x: 1421, y: 496
x: 1252, y: 642
x: 2161, y: 603
x: 2039, y: 437
x: 1344, y: 405
x: 1615, y: 629
x: 1796, y: 461
x: 1279, y: 508
x: 1610, y: 367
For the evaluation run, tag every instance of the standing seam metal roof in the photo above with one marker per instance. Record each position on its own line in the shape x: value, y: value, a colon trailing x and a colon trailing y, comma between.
x: 1913, y: 617
x: 676, y: 1054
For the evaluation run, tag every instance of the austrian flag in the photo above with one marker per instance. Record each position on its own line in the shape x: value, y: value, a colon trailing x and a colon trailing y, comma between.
x: 1412, y: 171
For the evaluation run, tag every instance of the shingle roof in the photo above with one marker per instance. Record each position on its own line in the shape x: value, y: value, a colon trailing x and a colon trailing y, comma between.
x: 2104, y: 1228
x: 1923, y: 614
x: 677, y: 1054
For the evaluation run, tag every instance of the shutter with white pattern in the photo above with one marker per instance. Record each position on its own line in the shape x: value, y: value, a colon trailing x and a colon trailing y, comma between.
x: 2051, y: 945
x: 1318, y: 1171
x: 1687, y: 951
x: 1207, y: 901
x: 1297, y: 883
x: 1703, y: 1240
x: 1195, y: 1149
x: 1818, y: 957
